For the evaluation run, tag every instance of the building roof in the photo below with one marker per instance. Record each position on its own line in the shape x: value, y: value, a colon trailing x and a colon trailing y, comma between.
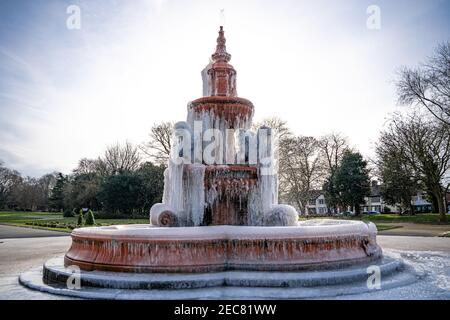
x: 314, y: 194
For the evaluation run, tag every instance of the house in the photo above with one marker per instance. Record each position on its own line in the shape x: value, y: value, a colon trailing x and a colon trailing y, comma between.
x: 374, y: 202
x: 420, y: 203
x: 447, y: 199
x: 316, y: 203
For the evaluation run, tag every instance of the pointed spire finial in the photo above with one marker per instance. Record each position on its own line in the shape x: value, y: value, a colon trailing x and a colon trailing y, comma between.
x: 221, y: 76
x: 221, y: 53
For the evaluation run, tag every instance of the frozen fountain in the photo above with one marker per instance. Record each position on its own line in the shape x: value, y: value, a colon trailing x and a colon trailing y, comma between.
x: 220, y: 206
x: 220, y: 224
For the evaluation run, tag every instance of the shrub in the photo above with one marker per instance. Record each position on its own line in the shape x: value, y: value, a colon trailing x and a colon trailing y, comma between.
x: 68, y: 213
x: 90, y: 220
x: 80, y: 219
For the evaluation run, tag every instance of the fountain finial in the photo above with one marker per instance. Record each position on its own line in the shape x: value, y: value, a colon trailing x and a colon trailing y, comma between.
x: 221, y: 54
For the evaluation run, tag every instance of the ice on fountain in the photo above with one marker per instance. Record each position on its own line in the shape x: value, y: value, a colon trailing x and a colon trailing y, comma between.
x: 190, y: 114
x: 167, y: 186
x: 183, y: 143
x: 247, y: 147
x: 194, y: 186
x: 268, y: 187
x: 213, y: 147
x: 281, y: 215
x: 212, y: 194
x: 156, y: 210
x: 332, y: 229
x: 226, y: 135
x: 184, y: 190
x: 255, y: 211
x: 228, y: 144
x: 206, y: 79
x: 184, y: 182
x: 211, y: 120
x: 173, y: 186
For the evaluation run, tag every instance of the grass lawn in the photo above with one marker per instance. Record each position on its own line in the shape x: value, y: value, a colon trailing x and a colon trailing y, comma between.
x: 55, y: 221
x: 383, y: 227
x: 392, y: 221
x: 424, y: 218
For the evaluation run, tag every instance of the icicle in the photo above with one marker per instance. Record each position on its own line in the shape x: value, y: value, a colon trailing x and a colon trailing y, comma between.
x: 194, y: 187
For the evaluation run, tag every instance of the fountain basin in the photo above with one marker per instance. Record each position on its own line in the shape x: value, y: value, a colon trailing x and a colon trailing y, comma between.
x: 236, y: 111
x: 314, y: 244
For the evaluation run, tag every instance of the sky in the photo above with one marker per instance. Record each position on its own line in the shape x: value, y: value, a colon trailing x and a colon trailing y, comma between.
x: 66, y: 94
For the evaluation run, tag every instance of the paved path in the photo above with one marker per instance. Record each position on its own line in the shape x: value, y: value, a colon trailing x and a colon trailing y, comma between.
x: 22, y: 254
x: 415, y: 229
x: 414, y: 243
x: 9, y: 232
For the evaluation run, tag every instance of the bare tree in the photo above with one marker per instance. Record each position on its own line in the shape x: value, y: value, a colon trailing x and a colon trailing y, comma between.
x: 428, y: 85
x: 300, y: 169
x: 280, y: 127
x: 333, y: 147
x: 302, y: 164
x: 120, y: 158
x: 399, y: 182
x: 86, y: 166
x: 24, y: 193
x: 45, y: 185
x: 92, y: 167
x: 29, y: 194
x: 425, y: 146
x: 8, y: 179
x: 160, y: 143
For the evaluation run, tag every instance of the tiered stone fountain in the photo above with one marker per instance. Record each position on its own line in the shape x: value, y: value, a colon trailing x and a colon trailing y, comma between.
x: 220, y: 224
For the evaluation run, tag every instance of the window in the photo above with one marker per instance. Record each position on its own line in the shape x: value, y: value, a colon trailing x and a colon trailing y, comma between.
x: 321, y: 201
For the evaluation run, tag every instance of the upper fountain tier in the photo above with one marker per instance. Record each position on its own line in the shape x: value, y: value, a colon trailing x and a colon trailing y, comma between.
x: 222, y: 75
x: 220, y: 99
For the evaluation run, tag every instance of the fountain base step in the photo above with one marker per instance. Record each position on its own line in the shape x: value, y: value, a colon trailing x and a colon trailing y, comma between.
x: 229, y: 285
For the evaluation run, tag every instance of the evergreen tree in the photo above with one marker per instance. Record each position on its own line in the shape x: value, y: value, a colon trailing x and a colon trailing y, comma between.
x: 331, y: 195
x: 56, y: 200
x: 353, y: 181
x: 80, y: 221
x: 350, y: 183
x: 121, y: 193
x: 152, y: 185
x: 90, y: 220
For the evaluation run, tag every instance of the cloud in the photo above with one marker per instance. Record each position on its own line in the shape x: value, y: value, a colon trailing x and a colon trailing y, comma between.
x: 67, y: 94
